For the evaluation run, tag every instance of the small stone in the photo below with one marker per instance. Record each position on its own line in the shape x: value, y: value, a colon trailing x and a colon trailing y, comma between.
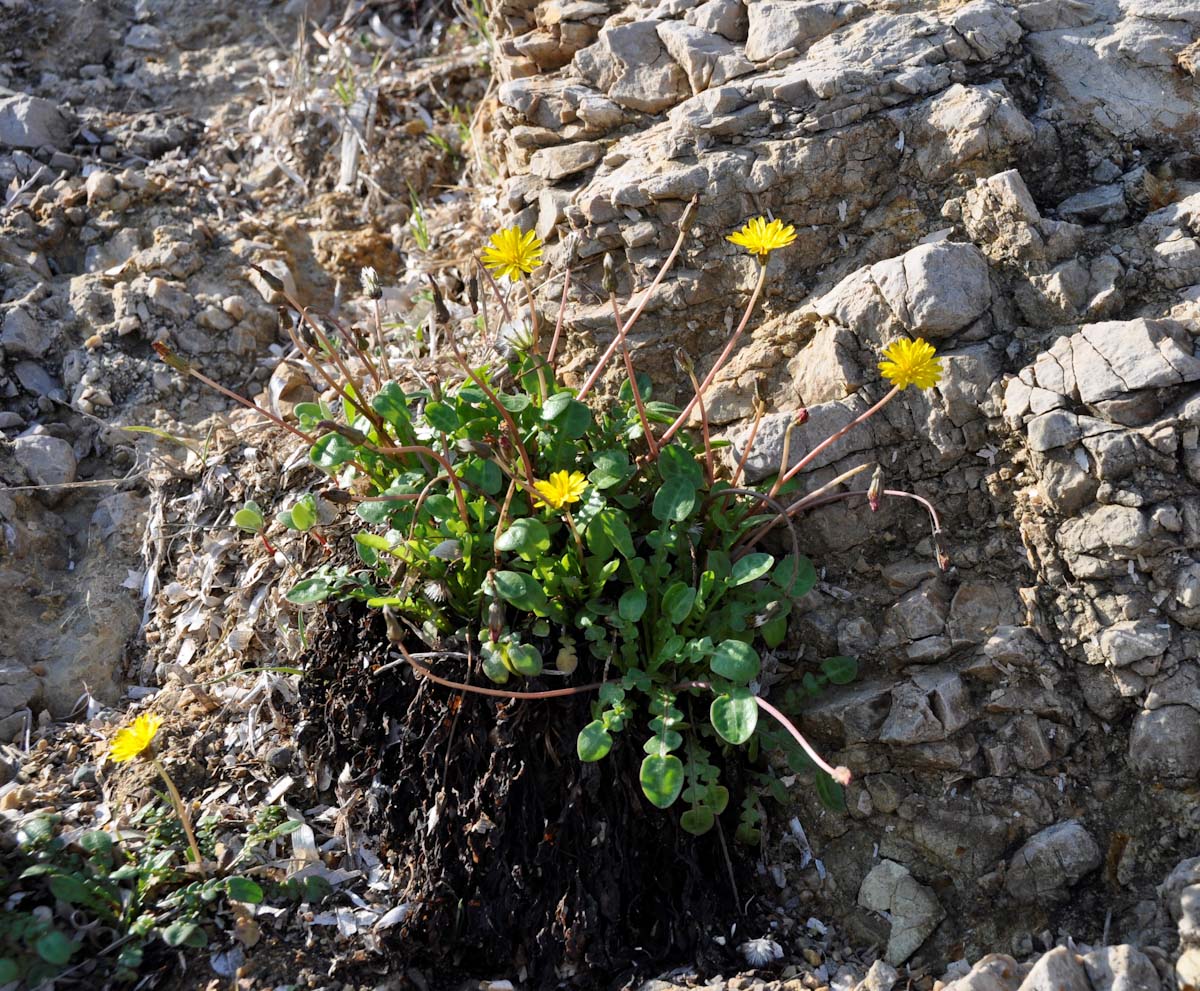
x: 1165, y: 743
x: 35, y: 379
x: 1050, y: 862
x: 1124, y: 643
x: 31, y: 122
x: 881, y: 977
x: 25, y: 336
x: 564, y: 160
x: 214, y: 318
x: 1120, y: 968
x: 85, y: 774
x: 47, y: 460
x: 100, y: 186
x: 146, y: 38
x: 914, y: 909
x: 280, y: 758
x: 1058, y: 970
x: 1058, y: 428
x: 1099, y: 205
x: 235, y: 306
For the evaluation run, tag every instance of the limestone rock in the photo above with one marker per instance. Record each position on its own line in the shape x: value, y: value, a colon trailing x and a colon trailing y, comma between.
x: 47, y: 460
x: 630, y: 65
x: 913, y: 908
x: 1120, y: 968
x: 31, y: 122
x: 935, y: 289
x: 24, y: 335
x: 1058, y: 970
x: 995, y: 972
x: 1050, y: 862
x: 1165, y: 743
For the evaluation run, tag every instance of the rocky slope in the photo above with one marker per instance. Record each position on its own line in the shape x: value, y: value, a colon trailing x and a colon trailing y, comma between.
x: 1018, y: 184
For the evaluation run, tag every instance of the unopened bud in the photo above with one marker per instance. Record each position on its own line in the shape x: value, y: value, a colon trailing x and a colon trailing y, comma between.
x: 495, y: 620
x: 473, y: 293
x: 609, y: 279
x: 273, y: 281
x: 875, y: 492
x: 171, y: 358
x: 940, y: 550
x: 440, y: 313
x: 683, y: 361
x: 800, y: 417
x: 467, y: 446
x: 370, y: 283
x: 689, y: 214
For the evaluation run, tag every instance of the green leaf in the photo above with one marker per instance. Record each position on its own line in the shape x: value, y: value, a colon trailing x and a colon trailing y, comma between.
x: 522, y: 590
x: 675, y: 500
x: 526, y: 536
x: 831, y: 794
x: 242, y: 889
x: 55, y: 948
x: 249, y: 517
x: 734, y: 715
x: 390, y: 403
x: 612, y: 468
x: 524, y: 659
x: 331, y: 450
x: 493, y: 665
x: 662, y: 779
x: 774, y: 631
x: 8, y: 971
x: 678, y: 462
x: 735, y: 660
x: 96, y: 842
x: 796, y: 576
x: 514, y: 403
x: 645, y: 388
x: 441, y: 417
x: 575, y: 421
x: 632, y: 604
x: 698, y: 821
x: 594, y: 742
x: 610, y: 529
x: 556, y: 405
x: 677, y: 601
x: 308, y: 590
x: 750, y: 567
x: 840, y: 670
x: 184, y: 933
x: 71, y: 890
x: 304, y: 513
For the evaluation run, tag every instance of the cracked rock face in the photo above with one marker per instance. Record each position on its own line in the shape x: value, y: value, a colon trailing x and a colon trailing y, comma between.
x: 1020, y: 184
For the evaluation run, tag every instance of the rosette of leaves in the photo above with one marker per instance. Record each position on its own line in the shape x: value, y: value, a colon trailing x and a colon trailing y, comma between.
x: 640, y: 575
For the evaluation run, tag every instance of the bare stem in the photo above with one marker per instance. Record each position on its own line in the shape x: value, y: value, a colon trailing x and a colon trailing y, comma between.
x: 833, y: 439
x: 558, y: 326
x: 759, y: 409
x: 839, y: 774
x: 383, y: 358
x: 184, y: 819
x: 612, y: 348
x: 633, y: 385
x: 533, y: 333
x: 722, y: 358
x: 804, y: 503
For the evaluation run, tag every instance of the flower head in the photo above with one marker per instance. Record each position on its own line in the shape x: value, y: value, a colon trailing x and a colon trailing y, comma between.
x: 562, y: 489
x: 761, y: 238
x: 370, y: 283
x: 513, y: 252
x: 134, y: 739
x: 911, y: 363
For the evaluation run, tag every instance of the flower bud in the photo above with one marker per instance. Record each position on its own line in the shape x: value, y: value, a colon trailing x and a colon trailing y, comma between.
x: 495, y: 620
x: 875, y: 492
x: 683, y: 361
x: 609, y: 279
x: 370, y: 283
x: 800, y: 417
x: 940, y: 550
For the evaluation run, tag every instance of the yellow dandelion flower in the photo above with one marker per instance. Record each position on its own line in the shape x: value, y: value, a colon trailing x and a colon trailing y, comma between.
x: 562, y: 489
x: 133, y: 740
x: 513, y: 252
x: 911, y: 363
x: 761, y: 238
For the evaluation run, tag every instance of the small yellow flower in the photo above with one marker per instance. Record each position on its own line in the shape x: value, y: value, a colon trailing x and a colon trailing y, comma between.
x: 911, y: 363
x: 562, y: 489
x: 513, y: 252
x: 132, y: 740
x: 761, y: 238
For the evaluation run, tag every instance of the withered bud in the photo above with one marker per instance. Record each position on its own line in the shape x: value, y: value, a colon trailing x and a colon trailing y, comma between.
x: 356, y: 437
x: 875, y: 492
x: 689, y: 214
x: 495, y: 620
x: 467, y: 446
x: 171, y: 358
x: 473, y: 293
x: 941, y: 550
x: 371, y: 286
x: 609, y: 280
x: 440, y: 313
x: 683, y: 361
x: 272, y: 281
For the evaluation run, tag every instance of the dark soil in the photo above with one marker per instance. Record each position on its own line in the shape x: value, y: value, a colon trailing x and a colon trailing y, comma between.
x: 519, y: 855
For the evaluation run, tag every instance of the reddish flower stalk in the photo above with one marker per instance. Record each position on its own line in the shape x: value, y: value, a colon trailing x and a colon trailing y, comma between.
x: 637, y: 393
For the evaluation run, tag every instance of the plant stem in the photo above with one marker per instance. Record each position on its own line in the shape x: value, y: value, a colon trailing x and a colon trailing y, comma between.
x: 839, y: 774
x: 383, y: 358
x: 800, y: 504
x: 574, y: 533
x: 633, y: 385
x: 724, y: 356
x: 612, y: 348
x: 833, y: 439
x: 533, y: 333
x: 558, y: 326
x: 184, y: 819
x: 759, y: 409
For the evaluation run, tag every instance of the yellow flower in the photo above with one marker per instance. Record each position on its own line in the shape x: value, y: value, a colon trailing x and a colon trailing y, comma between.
x: 761, y: 238
x: 562, y: 489
x: 132, y: 740
x: 513, y: 252
x: 911, y: 363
